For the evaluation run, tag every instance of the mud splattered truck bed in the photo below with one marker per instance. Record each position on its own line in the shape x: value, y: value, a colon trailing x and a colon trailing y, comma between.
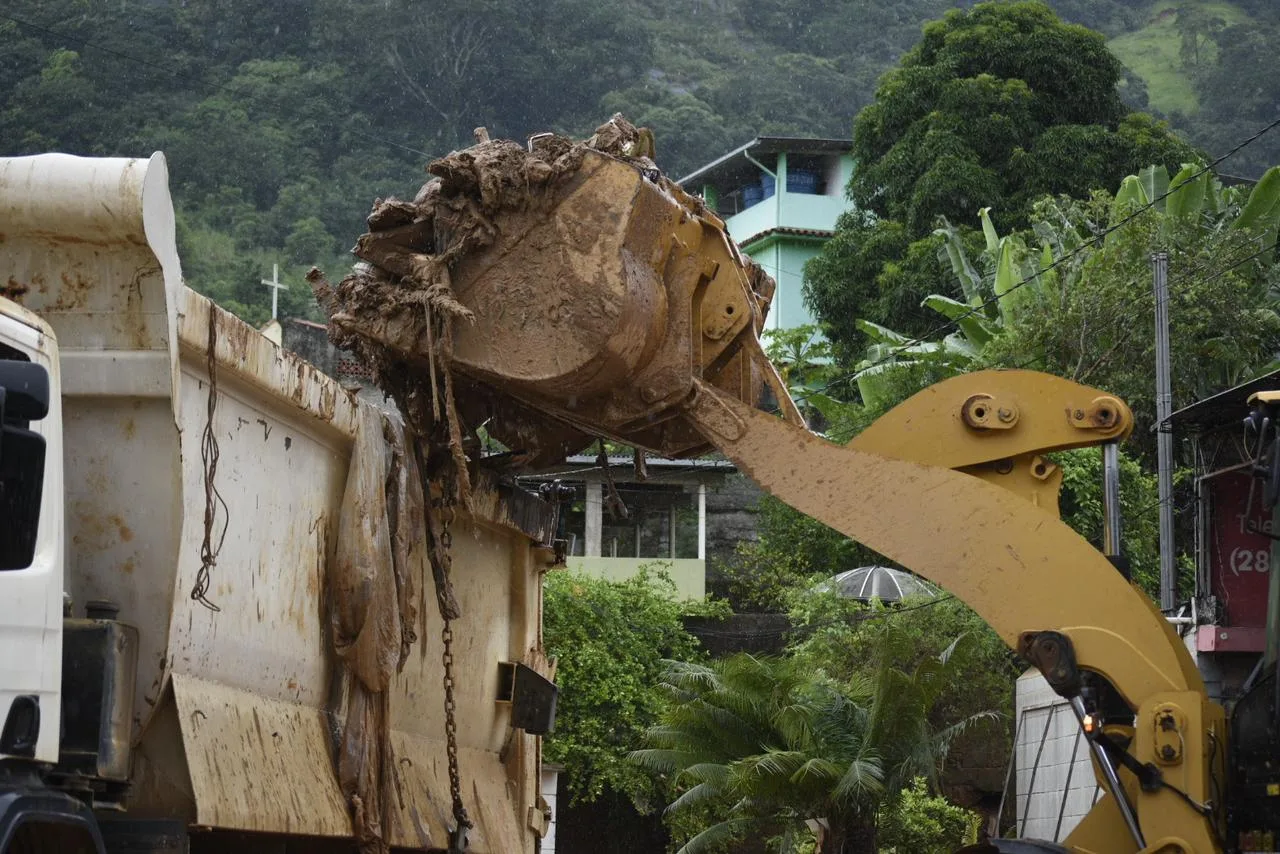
x: 270, y: 677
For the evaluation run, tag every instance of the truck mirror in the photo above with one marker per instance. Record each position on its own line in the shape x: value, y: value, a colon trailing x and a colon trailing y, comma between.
x: 24, y: 391
x: 24, y: 397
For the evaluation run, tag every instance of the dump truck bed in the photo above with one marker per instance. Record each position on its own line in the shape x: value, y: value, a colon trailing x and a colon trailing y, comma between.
x: 172, y: 407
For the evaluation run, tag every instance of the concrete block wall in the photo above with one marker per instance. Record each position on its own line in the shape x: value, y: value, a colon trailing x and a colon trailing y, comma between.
x: 731, y: 519
x: 1064, y: 770
x: 549, y: 783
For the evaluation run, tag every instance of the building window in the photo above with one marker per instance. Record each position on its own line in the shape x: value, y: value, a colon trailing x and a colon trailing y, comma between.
x: 661, y: 522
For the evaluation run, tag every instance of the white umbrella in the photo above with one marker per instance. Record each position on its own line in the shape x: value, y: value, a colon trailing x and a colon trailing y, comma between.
x: 877, y: 582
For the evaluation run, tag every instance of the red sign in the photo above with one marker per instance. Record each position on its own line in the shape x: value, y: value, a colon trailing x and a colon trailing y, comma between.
x: 1239, y: 561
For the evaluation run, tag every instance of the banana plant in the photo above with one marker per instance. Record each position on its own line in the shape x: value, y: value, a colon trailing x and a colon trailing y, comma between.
x: 1014, y: 278
x: 1195, y: 193
x: 1011, y: 279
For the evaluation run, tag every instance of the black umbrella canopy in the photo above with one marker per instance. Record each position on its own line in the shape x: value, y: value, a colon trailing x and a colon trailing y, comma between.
x: 878, y: 582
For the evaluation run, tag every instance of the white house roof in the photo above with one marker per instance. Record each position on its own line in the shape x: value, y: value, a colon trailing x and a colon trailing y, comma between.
x: 763, y: 145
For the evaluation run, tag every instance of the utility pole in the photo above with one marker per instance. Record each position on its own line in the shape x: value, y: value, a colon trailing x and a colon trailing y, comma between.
x: 276, y: 288
x: 1164, y: 438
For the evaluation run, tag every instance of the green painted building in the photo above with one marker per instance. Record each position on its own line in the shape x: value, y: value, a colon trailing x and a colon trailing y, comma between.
x: 780, y: 198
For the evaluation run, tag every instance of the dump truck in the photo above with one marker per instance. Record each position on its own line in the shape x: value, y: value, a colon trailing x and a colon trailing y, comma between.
x: 218, y: 625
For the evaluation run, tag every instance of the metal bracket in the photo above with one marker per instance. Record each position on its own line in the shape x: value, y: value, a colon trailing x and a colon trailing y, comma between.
x: 1054, y: 656
x: 984, y: 412
x: 1103, y: 413
x: 533, y: 701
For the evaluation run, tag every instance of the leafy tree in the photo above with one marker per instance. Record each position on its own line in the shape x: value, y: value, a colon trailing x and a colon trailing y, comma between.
x: 1060, y: 298
x: 772, y: 743
x: 995, y: 107
x: 611, y: 639
x: 1198, y: 29
x: 847, y: 637
x: 1091, y: 320
x: 1235, y: 104
x: 919, y: 822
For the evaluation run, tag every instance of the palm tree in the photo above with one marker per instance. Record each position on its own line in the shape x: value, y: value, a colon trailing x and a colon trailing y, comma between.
x: 770, y: 747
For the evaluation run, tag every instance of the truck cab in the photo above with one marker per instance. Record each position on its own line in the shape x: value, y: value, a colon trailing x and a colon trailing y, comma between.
x: 31, y: 541
x: 32, y: 554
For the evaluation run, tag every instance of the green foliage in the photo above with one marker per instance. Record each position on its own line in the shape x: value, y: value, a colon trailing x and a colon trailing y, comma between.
x: 1081, y: 507
x: 843, y: 636
x: 770, y: 743
x: 919, y: 822
x: 273, y: 118
x: 803, y: 359
x: 790, y: 551
x: 1091, y: 321
x: 611, y: 639
x: 994, y: 107
x: 1054, y: 299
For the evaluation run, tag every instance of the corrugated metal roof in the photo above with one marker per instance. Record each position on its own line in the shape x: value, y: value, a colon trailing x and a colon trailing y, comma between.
x: 1225, y: 408
x: 773, y: 145
x: 658, y: 462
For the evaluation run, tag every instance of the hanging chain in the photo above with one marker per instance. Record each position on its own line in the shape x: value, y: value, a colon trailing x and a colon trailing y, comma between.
x: 458, y: 838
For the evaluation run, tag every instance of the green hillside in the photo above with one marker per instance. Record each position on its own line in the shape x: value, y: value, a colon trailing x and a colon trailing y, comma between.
x: 283, y: 120
x: 1154, y: 52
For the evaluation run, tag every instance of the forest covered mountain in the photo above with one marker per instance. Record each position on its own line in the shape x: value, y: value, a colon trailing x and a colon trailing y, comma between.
x: 283, y: 120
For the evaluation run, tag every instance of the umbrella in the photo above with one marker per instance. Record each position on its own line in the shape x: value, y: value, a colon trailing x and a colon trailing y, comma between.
x: 878, y: 582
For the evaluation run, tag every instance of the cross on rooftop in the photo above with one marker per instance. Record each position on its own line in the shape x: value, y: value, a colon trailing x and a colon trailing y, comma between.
x: 276, y: 287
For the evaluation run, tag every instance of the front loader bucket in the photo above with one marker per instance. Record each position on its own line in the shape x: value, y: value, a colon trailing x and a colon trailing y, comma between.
x: 576, y: 284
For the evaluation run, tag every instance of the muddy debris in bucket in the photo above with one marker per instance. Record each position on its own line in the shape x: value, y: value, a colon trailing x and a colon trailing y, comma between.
x: 396, y: 309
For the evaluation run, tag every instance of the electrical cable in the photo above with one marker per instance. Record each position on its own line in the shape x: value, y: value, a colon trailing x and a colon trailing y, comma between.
x: 1091, y: 242
x: 1124, y: 314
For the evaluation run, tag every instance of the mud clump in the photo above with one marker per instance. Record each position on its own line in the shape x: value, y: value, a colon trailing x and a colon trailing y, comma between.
x: 396, y: 309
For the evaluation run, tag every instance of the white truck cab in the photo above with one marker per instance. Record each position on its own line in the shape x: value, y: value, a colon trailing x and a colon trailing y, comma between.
x: 31, y: 541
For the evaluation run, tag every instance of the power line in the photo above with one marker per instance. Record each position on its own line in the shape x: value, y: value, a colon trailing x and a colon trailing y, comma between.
x: 1092, y: 242
x: 1141, y: 302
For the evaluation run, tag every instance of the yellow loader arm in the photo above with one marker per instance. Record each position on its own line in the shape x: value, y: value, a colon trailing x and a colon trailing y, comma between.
x: 1024, y: 571
x: 574, y: 292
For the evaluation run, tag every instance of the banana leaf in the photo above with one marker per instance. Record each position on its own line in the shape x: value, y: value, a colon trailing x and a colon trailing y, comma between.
x: 1187, y: 191
x: 874, y: 383
x: 970, y: 278
x: 1260, y: 210
x: 1155, y: 183
x: 880, y: 334
x: 877, y: 353
x: 1129, y: 197
x: 989, y: 230
x: 975, y: 327
x: 1006, y: 279
x: 956, y: 344
x: 1048, y: 273
x: 1262, y: 213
